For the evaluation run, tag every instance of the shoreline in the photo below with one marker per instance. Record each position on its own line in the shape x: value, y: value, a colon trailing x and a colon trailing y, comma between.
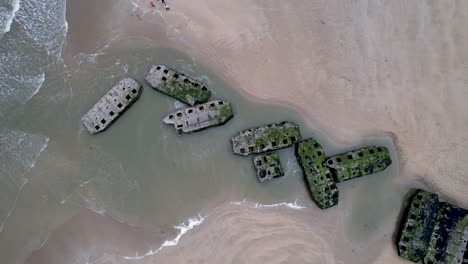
x: 264, y: 217
x: 225, y: 44
x: 414, y: 125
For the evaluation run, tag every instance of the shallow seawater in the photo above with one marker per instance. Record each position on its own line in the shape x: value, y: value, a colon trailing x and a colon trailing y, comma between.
x: 140, y: 171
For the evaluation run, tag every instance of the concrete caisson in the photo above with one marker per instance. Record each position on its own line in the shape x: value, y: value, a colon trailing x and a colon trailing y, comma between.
x: 112, y: 105
x: 311, y: 158
x: 199, y: 117
x: 360, y: 162
x: 177, y: 85
x: 433, y: 231
x: 418, y: 226
x: 268, y: 166
x: 266, y: 138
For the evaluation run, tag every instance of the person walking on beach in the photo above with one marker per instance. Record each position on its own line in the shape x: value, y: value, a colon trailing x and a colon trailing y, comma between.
x: 165, y: 5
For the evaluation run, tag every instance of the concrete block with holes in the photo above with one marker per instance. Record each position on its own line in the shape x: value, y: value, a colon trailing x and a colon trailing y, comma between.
x: 112, y: 105
x: 268, y: 166
x: 360, y: 162
x: 177, y: 85
x: 433, y: 232
x: 266, y: 138
x: 199, y: 117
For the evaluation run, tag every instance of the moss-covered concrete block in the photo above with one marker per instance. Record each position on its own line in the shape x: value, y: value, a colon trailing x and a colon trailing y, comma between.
x: 177, y: 85
x: 357, y: 163
x: 448, y: 243
x: 418, y: 226
x: 265, y: 138
x: 311, y: 158
x: 268, y: 166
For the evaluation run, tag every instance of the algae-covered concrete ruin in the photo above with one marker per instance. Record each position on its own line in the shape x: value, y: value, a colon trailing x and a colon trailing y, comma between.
x: 357, y: 163
x: 433, y: 231
x: 322, y: 173
x: 322, y: 187
x: 199, y: 117
x: 112, y: 105
x: 418, y: 227
x: 268, y: 166
x: 449, y: 240
x: 177, y: 85
x: 265, y: 138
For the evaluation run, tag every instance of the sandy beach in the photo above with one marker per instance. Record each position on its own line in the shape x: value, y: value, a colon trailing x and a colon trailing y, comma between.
x: 353, y: 69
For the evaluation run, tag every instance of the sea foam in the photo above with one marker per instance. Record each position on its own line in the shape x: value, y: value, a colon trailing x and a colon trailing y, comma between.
x: 294, y: 205
x: 7, y: 14
x: 33, y: 44
x: 183, y: 229
x: 18, y: 154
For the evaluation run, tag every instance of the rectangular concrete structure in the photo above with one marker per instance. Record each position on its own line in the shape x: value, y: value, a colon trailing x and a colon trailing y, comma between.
x: 177, y: 85
x: 311, y: 158
x: 448, y: 242
x: 199, y: 117
x: 357, y: 163
x: 268, y: 166
x: 418, y: 226
x: 112, y: 105
x: 265, y: 138
x: 433, y: 231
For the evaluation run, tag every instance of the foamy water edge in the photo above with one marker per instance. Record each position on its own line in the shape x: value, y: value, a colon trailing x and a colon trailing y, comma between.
x: 9, y: 19
x: 193, y: 222
x: 26, y: 180
x: 183, y: 229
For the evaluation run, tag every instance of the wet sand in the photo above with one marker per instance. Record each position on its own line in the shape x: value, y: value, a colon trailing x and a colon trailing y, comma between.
x: 353, y: 69
x: 88, y: 237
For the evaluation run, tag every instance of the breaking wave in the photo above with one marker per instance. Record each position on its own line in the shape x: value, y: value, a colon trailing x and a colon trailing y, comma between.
x: 294, y: 205
x: 24, y: 87
x: 7, y: 14
x: 18, y: 156
x: 36, y: 35
x: 183, y: 229
x: 193, y: 222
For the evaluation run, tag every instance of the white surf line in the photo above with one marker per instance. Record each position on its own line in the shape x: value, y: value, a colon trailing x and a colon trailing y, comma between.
x: 191, y: 223
x: 294, y: 205
x: 183, y: 229
x: 11, y: 17
x: 38, y: 81
x: 22, y: 186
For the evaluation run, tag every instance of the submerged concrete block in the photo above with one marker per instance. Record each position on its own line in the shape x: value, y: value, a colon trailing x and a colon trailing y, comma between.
x: 357, y: 163
x: 199, y: 117
x: 268, y: 166
x: 112, y: 105
x: 311, y: 158
x: 266, y: 138
x: 177, y: 85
